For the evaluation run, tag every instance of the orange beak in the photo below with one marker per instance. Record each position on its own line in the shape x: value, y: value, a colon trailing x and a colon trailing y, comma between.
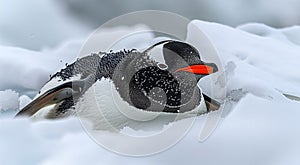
x: 201, y: 69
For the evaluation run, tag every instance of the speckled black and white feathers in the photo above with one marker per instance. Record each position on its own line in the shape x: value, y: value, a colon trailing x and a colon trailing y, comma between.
x: 143, y: 84
x: 139, y: 79
x: 84, y: 66
x: 92, y: 68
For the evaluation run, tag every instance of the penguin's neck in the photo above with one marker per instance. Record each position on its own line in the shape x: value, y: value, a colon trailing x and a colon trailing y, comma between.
x: 109, y: 62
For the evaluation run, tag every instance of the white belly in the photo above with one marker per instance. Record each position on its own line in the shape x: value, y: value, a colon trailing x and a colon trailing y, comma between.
x: 102, y: 108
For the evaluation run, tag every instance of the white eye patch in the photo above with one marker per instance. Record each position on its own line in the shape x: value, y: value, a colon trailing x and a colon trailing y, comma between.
x: 156, y: 53
x: 162, y: 66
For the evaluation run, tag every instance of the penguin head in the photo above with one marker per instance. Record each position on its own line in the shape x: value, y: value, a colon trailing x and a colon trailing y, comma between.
x: 180, y: 59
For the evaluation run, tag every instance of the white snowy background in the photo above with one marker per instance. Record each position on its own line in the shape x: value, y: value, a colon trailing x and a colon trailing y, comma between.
x: 263, y: 127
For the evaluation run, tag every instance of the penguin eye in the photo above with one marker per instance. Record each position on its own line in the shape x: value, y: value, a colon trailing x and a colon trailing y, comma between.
x: 162, y: 66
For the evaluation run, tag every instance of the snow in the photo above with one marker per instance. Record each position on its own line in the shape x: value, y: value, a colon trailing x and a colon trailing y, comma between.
x: 255, y: 61
x: 9, y: 100
x: 260, y: 64
x: 23, y: 101
x: 19, y: 64
x: 292, y: 33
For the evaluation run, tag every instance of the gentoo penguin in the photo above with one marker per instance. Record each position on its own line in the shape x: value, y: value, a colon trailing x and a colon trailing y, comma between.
x: 159, y: 80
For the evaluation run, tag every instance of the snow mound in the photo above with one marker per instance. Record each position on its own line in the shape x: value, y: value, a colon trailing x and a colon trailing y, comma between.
x: 23, y: 101
x: 26, y: 71
x: 9, y: 100
x: 23, y: 142
x: 264, y: 31
x: 260, y: 64
x: 288, y: 35
x: 292, y: 33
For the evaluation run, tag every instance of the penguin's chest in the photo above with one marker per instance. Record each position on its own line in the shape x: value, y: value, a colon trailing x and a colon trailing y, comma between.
x: 104, y: 108
x: 158, y: 90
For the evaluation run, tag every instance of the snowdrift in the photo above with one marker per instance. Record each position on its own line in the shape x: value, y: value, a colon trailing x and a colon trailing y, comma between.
x: 261, y: 67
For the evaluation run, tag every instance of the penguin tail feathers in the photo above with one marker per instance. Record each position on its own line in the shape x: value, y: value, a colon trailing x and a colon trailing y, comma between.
x: 211, y: 104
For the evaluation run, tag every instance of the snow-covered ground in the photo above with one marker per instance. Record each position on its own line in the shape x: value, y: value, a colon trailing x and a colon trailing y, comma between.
x: 261, y: 64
